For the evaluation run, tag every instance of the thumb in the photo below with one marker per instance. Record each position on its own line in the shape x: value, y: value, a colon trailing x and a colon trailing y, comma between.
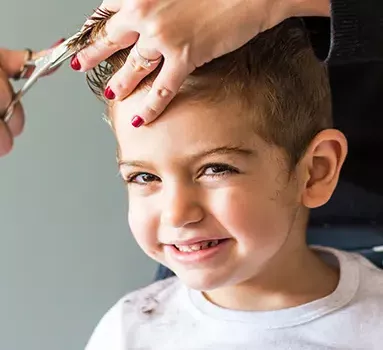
x: 11, y: 61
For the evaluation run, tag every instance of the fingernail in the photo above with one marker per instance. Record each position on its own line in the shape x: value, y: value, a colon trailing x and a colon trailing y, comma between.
x: 58, y: 42
x: 109, y: 94
x: 137, y: 121
x: 75, y: 64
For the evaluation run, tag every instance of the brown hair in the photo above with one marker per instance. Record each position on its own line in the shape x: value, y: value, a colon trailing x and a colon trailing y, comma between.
x: 276, y: 77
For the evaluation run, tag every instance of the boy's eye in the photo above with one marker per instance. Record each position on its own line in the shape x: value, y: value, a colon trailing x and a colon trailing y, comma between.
x: 213, y: 170
x: 209, y: 170
x: 142, y: 178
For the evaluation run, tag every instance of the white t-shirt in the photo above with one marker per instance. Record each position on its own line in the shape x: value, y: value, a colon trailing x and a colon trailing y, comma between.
x: 167, y: 315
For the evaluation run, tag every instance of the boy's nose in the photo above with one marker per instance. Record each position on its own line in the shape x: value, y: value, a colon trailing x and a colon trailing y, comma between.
x: 181, y: 207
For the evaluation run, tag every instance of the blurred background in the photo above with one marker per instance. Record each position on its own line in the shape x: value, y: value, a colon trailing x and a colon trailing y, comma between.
x: 66, y: 252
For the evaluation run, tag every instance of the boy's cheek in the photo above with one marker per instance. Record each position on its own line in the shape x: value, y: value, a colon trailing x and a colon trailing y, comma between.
x: 144, y: 225
x: 240, y: 209
x: 254, y: 216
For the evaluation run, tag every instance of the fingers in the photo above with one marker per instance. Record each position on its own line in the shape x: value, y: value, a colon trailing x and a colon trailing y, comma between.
x: 16, y: 123
x: 116, y: 35
x: 168, y: 82
x: 6, y: 139
x: 132, y: 72
x: 111, y: 5
x: 11, y: 61
x: 8, y: 130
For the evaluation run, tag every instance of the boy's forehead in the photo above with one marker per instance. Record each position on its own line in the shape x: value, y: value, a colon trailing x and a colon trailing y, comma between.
x: 184, y: 110
x: 185, y: 126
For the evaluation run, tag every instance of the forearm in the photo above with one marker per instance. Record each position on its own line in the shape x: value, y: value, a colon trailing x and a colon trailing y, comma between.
x: 356, y: 31
x: 356, y: 27
x: 311, y: 8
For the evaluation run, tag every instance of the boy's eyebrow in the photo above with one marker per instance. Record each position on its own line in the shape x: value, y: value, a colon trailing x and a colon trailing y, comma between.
x: 193, y: 157
x: 224, y: 150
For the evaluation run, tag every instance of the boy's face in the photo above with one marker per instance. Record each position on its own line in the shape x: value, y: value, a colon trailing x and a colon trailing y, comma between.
x: 201, y: 174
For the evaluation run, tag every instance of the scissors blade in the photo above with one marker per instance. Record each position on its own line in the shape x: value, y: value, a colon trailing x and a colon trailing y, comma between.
x: 50, y: 61
x: 42, y: 64
x: 63, y: 52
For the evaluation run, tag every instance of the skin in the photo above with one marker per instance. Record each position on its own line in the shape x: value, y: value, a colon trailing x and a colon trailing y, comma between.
x: 248, y: 197
x: 186, y: 34
x: 10, y: 63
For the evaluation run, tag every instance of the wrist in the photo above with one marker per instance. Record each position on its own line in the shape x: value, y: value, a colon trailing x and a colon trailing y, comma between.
x: 306, y: 8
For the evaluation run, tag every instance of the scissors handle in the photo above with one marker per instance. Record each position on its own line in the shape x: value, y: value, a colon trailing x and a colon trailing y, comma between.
x: 9, y: 112
x: 28, y: 84
x: 11, y: 107
x: 42, y: 66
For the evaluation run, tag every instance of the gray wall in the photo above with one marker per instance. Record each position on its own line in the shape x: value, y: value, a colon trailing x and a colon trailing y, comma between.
x: 66, y: 253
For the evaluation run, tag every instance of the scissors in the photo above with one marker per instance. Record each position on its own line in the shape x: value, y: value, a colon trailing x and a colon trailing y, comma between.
x: 42, y: 65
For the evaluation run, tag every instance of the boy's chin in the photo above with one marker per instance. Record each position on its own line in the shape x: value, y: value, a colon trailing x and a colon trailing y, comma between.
x: 198, y: 280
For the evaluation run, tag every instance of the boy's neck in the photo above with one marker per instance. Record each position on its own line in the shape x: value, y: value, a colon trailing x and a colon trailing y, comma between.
x: 303, y: 277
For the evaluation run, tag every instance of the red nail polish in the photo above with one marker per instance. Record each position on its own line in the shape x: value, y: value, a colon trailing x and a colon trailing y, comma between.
x: 109, y: 94
x: 137, y: 121
x: 75, y: 64
x: 58, y: 42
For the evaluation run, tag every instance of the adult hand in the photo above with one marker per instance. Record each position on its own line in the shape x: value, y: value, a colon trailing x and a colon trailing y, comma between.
x: 186, y: 33
x: 11, y: 62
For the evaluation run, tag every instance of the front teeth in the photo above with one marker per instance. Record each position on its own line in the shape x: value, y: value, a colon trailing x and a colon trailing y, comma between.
x: 197, y: 246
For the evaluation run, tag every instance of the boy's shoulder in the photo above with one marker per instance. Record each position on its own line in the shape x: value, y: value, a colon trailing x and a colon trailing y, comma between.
x: 370, y: 279
x: 145, y: 300
x: 358, y: 298
x: 133, y: 312
x: 357, y: 272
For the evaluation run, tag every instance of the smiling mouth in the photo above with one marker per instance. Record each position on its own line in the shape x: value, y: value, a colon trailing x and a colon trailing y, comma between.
x: 191, y: 248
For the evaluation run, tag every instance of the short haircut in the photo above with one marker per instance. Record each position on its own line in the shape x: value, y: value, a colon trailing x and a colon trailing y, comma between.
x: 275, y: 77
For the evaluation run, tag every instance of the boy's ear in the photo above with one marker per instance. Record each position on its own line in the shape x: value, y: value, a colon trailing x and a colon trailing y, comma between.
x: 321, y: 167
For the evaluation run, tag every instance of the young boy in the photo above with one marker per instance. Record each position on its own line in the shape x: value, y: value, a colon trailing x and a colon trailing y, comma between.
x: 220, y: 189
